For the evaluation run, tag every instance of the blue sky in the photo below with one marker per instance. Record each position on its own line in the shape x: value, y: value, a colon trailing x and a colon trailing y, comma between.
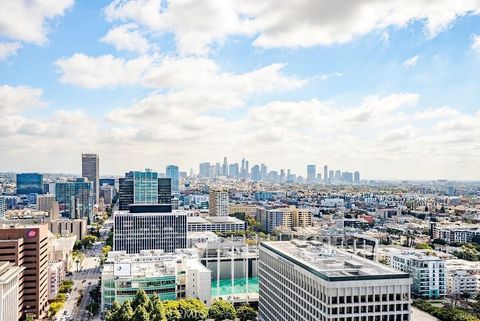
x: 390, y: 89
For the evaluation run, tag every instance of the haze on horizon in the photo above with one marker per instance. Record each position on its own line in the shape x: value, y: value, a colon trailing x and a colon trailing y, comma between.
x: 387, y: 88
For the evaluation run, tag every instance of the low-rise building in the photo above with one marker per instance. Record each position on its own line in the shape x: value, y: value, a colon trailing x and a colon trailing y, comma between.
x: 56, y: 275
x: 170, y: 275
x: 220, y: 224
x: 428, y: 273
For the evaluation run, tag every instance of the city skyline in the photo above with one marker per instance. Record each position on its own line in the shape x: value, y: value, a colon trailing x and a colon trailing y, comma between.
x: 390, y: 91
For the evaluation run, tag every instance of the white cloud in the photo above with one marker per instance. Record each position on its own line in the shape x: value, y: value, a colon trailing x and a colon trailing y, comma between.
x: 384, y: 130
x: 411, y: 62
x: 14, y: 100
x: 8, y: 48
x: 127, y: 37
x: 103, y: 71
x: 476, y: 43
x: 28, y: 20
x: 195, y: 82
x: 197, y: 25
x: 436, y: 113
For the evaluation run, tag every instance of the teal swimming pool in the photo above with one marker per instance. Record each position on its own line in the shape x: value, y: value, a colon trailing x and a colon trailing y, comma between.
x: 224, y: 287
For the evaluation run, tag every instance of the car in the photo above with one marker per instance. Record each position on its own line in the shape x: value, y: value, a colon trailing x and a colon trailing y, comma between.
x: 89, y: 283
x: 65, y: 312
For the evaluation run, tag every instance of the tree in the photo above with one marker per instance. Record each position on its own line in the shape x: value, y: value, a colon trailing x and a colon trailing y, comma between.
x: 246, y: 313
x: 29, y: 317
x: 171, y: 311
x: 423, y: 246
x: 141, y: 314
x: 192, y: 310
x: 140, y: 299
x: 222, y: 310
x: 125, y: 313
x: 156, y: 309
x: 111, y: 315
x: 55, y: 307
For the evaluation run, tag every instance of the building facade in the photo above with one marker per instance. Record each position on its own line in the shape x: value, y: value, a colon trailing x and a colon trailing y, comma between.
x: 218, y: 203
x: 29, y: 183
x: 172, y: 172
x: 149, y: 230
x: 219, y: 224
x: 170, y: 275
x: 90, y: 170
x: 75, y: 198
x: 27, y: 247
x: 428, y: 273
x: 9, y: 290
x: 309, y: 281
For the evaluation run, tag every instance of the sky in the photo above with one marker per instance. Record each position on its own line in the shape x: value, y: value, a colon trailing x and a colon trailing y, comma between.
x: 389, y: 88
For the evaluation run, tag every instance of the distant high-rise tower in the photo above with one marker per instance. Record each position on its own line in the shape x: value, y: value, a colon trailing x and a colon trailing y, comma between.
x: 263, y: 170
x: 311, y: 173
x: 90, y: 170
x: 173, y: 173
x: 204, y: 169
x: 325, y: 173
x: 225, y: 167
x: 256, y: 174
x: 356, y: 177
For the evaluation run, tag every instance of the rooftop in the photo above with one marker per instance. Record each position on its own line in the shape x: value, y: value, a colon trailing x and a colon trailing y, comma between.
x: 330, y: 263
x: 213, y: 219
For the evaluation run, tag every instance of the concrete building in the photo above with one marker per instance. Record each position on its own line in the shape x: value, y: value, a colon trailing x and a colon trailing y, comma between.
x: 463, y: 277
x: 56, y: 275
x: 90, y: 170
x: 302, y: 217
x: 285, y: 218
x: 77, y: 227
x: 9, y: 290
x: 428, y: 273
x: 455, y: 233
x: 47, y: 203
x: 310, y: 281
x: 218, y: 203
x: 245, y: 209
x: 27, y: 247
x: 220, y: 224
x: 170, y: 275
x: 149, y: 228
x: 201, y: 237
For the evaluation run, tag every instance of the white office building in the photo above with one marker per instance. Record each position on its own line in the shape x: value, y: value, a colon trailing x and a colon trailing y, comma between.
x: 309, y: 281
x: 428, y: 273
x: 145, y: 230
x: 9, y: 281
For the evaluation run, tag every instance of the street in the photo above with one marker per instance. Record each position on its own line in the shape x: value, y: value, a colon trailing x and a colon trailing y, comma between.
x: 85, y: 280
